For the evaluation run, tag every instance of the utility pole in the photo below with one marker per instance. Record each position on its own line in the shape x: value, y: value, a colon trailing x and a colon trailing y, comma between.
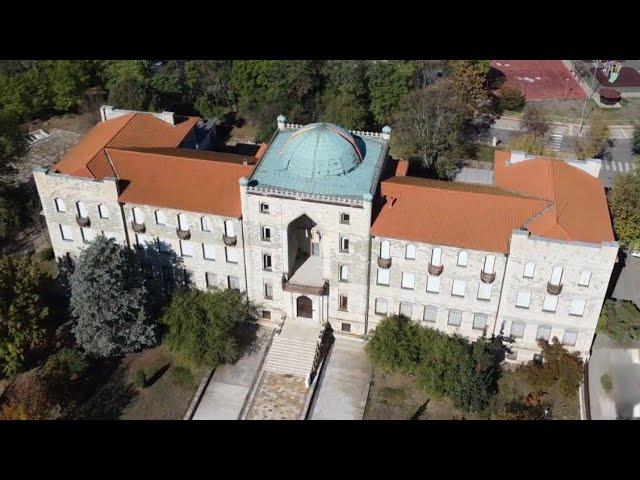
x: 593, y: 89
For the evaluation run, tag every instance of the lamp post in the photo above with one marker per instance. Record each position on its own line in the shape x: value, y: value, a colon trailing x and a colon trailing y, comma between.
x: 566, y: 87
x: 584, y: 106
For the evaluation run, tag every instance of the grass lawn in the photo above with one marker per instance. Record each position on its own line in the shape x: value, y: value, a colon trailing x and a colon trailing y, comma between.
x: 570, y: 110
x: 167, y: 396
x: 395, y: 396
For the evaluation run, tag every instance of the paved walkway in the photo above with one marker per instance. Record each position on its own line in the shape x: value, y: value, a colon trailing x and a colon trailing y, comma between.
x: 280, y: 397
x: 344, y: 387
x: 226, y: 393
x: 568, y: 129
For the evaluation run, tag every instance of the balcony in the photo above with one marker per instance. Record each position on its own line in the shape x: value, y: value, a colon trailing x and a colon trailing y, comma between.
x: 487, y: 277
x: 554, y: 289
x: 229, y: 241
x: 384, y: 262
x: 183, y: 234
x: 83, y: 221
x: 138, y: 227
x: 435, y: 269
x: 307, y: 278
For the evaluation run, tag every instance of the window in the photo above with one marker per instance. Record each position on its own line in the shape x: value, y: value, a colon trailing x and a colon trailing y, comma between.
x: 577, y: 307
x: 543, y: 333
x: 344, y: 273
x: 383, y: 276
x: 138, y: 215
x: 315, y: 249
x: 408, y: 280
x: 211, y: 279
x: 266, y: 234
x: 430, y: 313
x: 264, y: 207
x: 436, y: 257
x: 208, y: 251
x: 103, y: 211
x: 570, y: 338
x: 529, y: 270
x: 346, y: 327
x: 410, y: 252
x: 268, y: 291
x: 266, y: 314
x: 186, y: 248
x: 266, y: 261
x: 585, y: 278
x: 463, y: 259
x: 161, y: 218
x: 517, y: 329
x: 229, y: 229
x: 550, y: 303
x: 344, y: 244
x: 556, y: 276
x: 489, y: 264
x: 484, y: 291
x: 164, y: 246
x: 382, y: 307
x: 345, y: 218
x: 479, y: 321
x: 385, y: 250
x: 60, y: 206
x: 231, y: 254
x: 82, y: 210
x: 523, y: 299
x: 183, y: 222
x: 88, y: 235
x: 458, y: 288
x: 455, y: 318
x: 66, y: 232
x: 205, y: 223
x: 233, y: 282
x: 344, y: 302
x: 144, y: 241
x: 433, y: 284
x: 406, y: 309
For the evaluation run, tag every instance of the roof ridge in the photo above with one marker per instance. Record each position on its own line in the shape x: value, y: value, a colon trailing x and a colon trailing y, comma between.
x: 123, y: 150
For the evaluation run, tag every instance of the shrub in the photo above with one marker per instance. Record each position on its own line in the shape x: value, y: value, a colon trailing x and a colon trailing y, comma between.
x: 141, y: 379
x: 27, y: 399
x: 620, y: 319
x: 606, y: 382
x: 534, y: 120
x: 395, y: 345
x: 525, y: 408
x: 183, y: 376
x: 60, y: 370
x: 529, y: 143
x: 45, y: 255
x: 511, y: 99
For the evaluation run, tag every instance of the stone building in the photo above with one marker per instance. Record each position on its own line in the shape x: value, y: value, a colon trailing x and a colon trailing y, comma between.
x: 322, y: 226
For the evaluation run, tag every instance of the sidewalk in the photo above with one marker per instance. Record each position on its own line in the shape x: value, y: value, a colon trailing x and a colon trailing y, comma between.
x: 569, y: 129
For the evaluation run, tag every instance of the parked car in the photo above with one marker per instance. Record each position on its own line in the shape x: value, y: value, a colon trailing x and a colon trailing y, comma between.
x: 635, y: 253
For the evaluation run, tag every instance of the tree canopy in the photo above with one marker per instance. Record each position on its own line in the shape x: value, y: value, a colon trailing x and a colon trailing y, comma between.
x: 624, y: 198
x: 620, y: 320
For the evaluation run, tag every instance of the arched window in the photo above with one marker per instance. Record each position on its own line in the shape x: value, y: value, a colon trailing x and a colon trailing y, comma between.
x: 529, y: 270
x: 385, y: 250
x: 463, y: 259
x: 436, y: 257
x: 206, y: 224
x: 138, y: 215
x: 556, y: 276
x: 183, y: 222
x: 103, y: 211
x: 82, y: 210
x: 344, y: 273
x: 161, y: 218
x: 60, y: 206
x: 410, y: 252
x: 489, y: 264
x: 229, y: 230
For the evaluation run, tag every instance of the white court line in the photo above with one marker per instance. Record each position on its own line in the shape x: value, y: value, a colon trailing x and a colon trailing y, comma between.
x: 620, y: 166
x: 626, y: 165
x: 606, y: 165
x: 613, y: 166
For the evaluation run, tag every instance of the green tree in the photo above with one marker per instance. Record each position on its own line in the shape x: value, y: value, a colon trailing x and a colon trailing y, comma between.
x: 10, y: 219
x: 468, y: 79
x: 430, y: 128
x: 345, y: 98
x: 203, y: 326
x: 25, y: 92
x: 110, y: 301
x: 534, y: 120
x: 208, y: 83
x: 389, y: 83
x: 620, y: 319
x: 511, y: 99
x: 69, y: 79
x: 13, y: 143
x: 128, y: 83
x: 529, y: 143
x: 60, y: 371
x: 624, y: 198
x: 395, y: 344
x: 22, y: 315
x: 635, y: 143
x: 595, y: 142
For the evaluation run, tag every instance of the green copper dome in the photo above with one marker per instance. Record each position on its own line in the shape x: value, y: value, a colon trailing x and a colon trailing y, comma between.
x: 321, y: 150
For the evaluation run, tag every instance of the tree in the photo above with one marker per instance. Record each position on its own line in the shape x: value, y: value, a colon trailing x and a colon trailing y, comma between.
x: 110, y: 301
x: 69, y: 79
x: 534, y: 120
x: 13, y: 143
x: 22, y: 315
x: 594, y: 143
x: 27, y: 399
x: 511, y: 99
x: 560, y: 368
x: 345, y: 99
x: 9, y: 217
x: 388, y: 83
x: 395, y: 344
x: 203, y: 326
x: 532, y: 407
x: 624, y: 198
x: 635, y: 143
x: 430, y: 127
x: 208, y: 84
x: 529, y: 143
x: 620, y: 319
x: 468, y: 78
x: 128, y: 83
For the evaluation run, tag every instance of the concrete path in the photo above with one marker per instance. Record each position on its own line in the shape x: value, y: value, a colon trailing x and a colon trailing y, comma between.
x: 568, y: 129
x: 344, y: 386
x: 628, y: 284
x: 622, y: 363
x: 225, y: 395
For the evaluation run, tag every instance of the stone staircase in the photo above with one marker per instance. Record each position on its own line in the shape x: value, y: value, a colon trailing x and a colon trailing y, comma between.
x: 291, y: 355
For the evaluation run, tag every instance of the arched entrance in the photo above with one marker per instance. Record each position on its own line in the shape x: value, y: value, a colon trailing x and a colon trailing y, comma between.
x: 304, y: 307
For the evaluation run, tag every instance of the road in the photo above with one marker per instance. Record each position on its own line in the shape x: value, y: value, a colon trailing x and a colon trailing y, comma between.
x: 628, y: 282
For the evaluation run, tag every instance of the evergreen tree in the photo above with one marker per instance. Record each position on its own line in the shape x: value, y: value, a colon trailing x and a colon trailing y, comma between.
x: 389, y: 83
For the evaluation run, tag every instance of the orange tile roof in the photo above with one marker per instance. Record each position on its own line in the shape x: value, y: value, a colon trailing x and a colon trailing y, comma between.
x: 462, y: 215
x: 181, y: 183
x: 579, y: 212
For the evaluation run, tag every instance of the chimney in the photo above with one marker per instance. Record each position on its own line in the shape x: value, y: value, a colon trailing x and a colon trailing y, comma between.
x: 517, y: 156
x: 281, y: 122
x: 167, y: 117
x: 105, y: 112
x: 386, y: 132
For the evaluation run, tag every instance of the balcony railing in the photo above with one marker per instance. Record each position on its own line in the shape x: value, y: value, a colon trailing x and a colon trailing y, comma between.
x: 138, y: 227
x: 288, y: 286
x: 228, y: 240
x: 435, y: 269
x: 554, y: 289
x: 83, y: 221
x: 384, y: 262
x: 487, y: 277
x: 183, y: 234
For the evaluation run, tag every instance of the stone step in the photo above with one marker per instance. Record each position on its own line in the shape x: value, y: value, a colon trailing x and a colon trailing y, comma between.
x: 289, y: 355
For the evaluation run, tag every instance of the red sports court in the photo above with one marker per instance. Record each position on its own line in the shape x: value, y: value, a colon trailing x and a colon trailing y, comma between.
x: 540, y: 79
